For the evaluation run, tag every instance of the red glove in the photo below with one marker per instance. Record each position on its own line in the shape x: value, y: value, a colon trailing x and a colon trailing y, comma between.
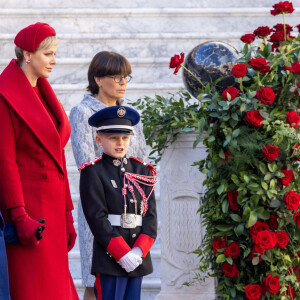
x: 26, y: 227
x: 71, y: 233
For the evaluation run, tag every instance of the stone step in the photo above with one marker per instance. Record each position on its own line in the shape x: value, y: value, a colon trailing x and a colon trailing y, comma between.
x: 180, y: 20
x: 155, y: 44
x: 144, y: 69
x: 121, y: 4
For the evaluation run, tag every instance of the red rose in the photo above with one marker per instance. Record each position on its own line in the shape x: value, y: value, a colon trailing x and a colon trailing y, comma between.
x: 298, y: 27
x: 254, y: 118
x: 270, y: 152
x: 265, y: 95
x: 292, y: 118
x: 289, y: 176
x: 278, y: 37
x: 290, y: 292
x: 295, y: 68
x: 282, y: 239
x: 239, y: 70
x: 253, y: 291
x: 272, y: 283
x: 232, y: 91
x: 230, y: 270
x: 233, y: 250
x: 176, y: 61
x: 259, y: 64
x: 256, y: 228
x: 232, y: 200
x: 292, y: 200
x: 273, y: 222
x: 218, y: 244
x: 296, y: 218
x: 262, y: 31
x: 266, y: 239
x: 248, y: 38
x: 279, y: 27
x: 282, y: 7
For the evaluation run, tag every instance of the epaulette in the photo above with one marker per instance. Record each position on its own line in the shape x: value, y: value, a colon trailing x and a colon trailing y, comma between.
x: 89, y: 163
x: 152, y: 169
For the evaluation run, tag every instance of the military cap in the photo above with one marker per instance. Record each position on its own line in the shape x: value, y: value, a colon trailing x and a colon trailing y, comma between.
x: 115, y: 120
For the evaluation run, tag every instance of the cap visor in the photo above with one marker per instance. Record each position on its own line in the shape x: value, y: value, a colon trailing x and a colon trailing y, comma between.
x: 116, y: 131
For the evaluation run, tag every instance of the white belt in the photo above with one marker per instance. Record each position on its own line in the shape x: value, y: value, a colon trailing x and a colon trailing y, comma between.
x: 131, y: 220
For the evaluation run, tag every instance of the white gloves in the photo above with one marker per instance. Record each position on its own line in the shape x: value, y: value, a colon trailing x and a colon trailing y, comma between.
x: 131, y: 260
x: 138, y: 251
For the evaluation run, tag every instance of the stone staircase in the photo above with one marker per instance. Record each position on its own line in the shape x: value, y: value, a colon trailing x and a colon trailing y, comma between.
x: 148, y: 33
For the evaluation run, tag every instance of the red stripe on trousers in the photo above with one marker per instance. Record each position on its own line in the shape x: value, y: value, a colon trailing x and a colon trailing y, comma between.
x: 98, y: 287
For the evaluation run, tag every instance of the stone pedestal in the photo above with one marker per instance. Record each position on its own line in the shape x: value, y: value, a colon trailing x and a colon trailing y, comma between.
x: 181, y: 229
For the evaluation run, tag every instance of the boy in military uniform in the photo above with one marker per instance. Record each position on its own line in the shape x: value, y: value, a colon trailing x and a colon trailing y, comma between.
x: 119, y: 204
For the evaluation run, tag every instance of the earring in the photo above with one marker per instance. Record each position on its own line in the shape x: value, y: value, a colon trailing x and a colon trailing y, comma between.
x: 27, y: 61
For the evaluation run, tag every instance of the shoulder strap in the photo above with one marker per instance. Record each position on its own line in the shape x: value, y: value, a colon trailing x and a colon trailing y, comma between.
x: 89, y: 163
x: 152, y: 169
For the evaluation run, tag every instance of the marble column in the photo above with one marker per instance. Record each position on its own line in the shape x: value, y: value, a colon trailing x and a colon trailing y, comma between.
x: 181, y: 229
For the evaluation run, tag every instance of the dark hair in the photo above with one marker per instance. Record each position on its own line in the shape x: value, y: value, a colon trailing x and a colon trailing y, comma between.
x: 106, y: 63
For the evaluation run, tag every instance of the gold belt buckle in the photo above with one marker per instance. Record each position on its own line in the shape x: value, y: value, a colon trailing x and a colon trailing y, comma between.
x: 128, y: 221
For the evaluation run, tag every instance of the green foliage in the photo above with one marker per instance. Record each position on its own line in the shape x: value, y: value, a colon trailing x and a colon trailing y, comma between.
x: 235, y: 162
x: 166, y: 117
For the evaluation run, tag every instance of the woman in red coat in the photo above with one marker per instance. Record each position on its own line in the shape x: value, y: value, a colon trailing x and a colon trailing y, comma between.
x: 34, y: 130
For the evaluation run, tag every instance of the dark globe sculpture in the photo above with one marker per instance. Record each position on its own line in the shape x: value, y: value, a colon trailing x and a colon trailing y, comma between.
x: 210, y: 61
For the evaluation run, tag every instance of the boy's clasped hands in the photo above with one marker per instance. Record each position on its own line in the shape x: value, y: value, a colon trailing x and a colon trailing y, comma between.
x: 131, y: 260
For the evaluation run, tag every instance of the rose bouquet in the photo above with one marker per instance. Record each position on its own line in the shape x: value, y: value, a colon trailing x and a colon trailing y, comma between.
x: 251, y: 205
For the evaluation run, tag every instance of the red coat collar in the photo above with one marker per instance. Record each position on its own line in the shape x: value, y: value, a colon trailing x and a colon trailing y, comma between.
x: 17, y: 91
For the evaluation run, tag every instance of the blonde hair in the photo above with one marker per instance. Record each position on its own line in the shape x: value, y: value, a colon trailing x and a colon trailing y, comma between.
x: 47, y: 43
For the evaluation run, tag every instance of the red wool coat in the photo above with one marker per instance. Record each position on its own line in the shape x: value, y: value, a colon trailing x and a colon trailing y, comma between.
x: 33, y: 174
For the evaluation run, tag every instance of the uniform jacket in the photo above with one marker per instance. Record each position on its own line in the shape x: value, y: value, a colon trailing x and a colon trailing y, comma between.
x: 101, y: 196
x: 85, y: 148
x: 4, y: 286
x: 33, y: 174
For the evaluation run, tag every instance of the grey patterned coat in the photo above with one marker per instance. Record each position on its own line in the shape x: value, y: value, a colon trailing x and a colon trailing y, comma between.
x: 85, y: 148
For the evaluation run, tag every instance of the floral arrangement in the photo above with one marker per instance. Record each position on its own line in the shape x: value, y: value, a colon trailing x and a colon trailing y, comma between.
x: 251, y: 130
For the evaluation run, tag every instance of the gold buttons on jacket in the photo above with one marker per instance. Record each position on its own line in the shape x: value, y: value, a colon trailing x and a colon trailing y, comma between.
x: 134, y: 235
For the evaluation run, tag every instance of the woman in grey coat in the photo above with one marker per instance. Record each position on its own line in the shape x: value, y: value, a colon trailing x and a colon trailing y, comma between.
x: 108, y: 75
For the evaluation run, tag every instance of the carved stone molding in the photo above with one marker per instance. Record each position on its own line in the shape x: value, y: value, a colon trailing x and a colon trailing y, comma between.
x: 181, y: 229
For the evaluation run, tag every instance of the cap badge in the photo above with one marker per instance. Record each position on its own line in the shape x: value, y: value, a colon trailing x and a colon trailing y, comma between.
x: 121, y: 112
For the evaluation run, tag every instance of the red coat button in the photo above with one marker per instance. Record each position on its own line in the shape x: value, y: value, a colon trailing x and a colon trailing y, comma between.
x: 39, y: 151
x: 61, y: 176
x: 45, y: 176
x: 43, y: 163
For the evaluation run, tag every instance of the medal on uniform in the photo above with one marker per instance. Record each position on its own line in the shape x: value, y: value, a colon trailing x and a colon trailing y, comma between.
x: 113, y: 183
